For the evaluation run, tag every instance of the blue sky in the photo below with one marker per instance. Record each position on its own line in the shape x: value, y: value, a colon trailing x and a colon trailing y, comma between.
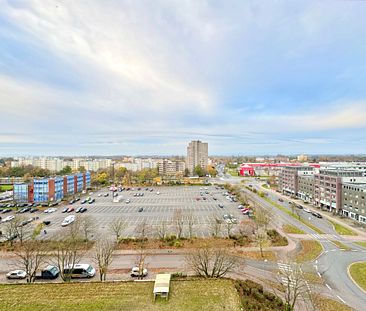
x: 145, y: 77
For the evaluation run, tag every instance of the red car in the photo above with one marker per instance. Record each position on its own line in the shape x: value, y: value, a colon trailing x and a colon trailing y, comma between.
x: 70, y: 209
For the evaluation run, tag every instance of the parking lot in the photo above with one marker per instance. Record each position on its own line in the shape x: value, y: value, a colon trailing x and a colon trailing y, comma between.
x: 156, y: 208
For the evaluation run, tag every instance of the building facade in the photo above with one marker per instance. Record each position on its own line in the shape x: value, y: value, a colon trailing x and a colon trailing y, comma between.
x: 354, y: 201
x: 328, y: 186
x: 197, y: 154
x: 168, y: 167
x: 289, y: 178
x: 305, y: 188
x: 51, y: 189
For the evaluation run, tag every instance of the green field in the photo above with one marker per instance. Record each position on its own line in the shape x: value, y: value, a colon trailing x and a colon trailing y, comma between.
x: 358, y: 273
x: 6, y: 187
x: 210, y: 295
x: 341, y: 229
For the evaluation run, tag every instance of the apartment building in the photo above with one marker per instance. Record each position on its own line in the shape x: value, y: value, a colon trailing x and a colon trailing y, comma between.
x: 328, y: 186
x: 167, y: 167
x: 289, y: 178
x: 305, y: 189
x: 354, y: 201
x: 197, y: 154
x: 51, y: 189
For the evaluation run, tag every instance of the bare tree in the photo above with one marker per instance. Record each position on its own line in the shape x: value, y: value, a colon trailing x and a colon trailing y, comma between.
x: 87, y: 227
x: 67, y: 254
x: 162, y: 229
x: 229, y: 228
x: 103, y: 256
x: 262, y: 217
x: 23, y: 231
x: 190, y: 224
x: 141, y: 261
x: 215, y: 226
x: 73, y: 231
x: 117, y: 227
x: 292, y: 284
x: 211, y: 262
x: 261, y: 239
x: 29, y: 258
x: 10, y: 232
x: 142, y: 231
x: 178, y: 221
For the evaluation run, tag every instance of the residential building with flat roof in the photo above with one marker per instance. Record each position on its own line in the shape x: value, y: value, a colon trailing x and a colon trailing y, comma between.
x: 197, y: 154
x: 354, y: 201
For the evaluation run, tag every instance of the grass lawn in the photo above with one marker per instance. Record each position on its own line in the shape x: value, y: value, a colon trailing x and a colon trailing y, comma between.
x: 341, y: 245
x: 292, y: 229
x: 5, y: 187
x: 327, y: 304
x: 310, y: 250
x: 287, y: 211
x: 361, y: 243
x: 197, y: 295
x: 358, y: 273
x: 341, y: 229
x: 232, y: 171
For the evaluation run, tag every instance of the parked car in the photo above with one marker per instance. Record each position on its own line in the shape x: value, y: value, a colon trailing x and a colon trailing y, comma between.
x: 221, y: 205
x: 83, y: 210
x: 16, y: 274
x: 141, y: 209
x: 70, y: 209
x: 135, y: 272
x: 78, y: 210
x: 307, y: 210
x: 68, y: 220
x: 91, y: 201
x: 317, y: 215
x: 72, y: 201
x: 46, y: 222
x: 50, y: 273
x: 83, y: 201
x: 33, y: 210
x: 281, y: 200
x: 80, y: 271
x: 65, y: 210
x: 128, y: 201
x: 299, y: 206
x: 8, y: 218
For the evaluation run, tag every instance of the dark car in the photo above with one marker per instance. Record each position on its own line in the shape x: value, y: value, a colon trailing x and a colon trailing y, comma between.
x: 83, y: 210
x: 140, y: 209
x: 7, y: 210
x: 26, y: 209
x: 299, y: 206
x: 33, y: 210
x: 317, y: 215
x: 50, y: 273
x: 46, y: 222
x: 281, y: 200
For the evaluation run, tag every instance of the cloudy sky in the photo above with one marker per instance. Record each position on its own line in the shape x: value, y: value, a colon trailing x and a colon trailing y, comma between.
x: 145, y: 77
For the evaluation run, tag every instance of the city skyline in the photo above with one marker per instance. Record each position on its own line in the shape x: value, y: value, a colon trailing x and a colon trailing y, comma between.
x: 249, y: 78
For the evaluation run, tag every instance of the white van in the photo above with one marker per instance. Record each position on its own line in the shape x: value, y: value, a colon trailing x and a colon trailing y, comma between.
x: 80, y: 271
x: 68, y: 220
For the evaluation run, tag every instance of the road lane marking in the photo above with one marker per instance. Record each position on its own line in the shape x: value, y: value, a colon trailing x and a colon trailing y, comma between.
x: 319, y: 275
x: 341, y: 299
x: 328, y: 286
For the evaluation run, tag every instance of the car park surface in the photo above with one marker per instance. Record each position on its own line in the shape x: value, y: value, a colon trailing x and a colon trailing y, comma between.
x: 156, y: 209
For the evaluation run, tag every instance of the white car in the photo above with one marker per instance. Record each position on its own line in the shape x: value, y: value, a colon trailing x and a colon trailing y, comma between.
x: 16, y: 274
x: 99, y: 194
x: 8, y: 218
x: 128, y: 201
x: 50, y: 210
x: 68, y: 220
x: 158, y: 193
x: 307, y: 210
x: 90, y: 193
x: 135, y: 272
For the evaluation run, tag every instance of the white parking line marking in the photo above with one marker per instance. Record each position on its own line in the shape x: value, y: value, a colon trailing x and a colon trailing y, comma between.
x: 328, y: 286
x: 319, y: 275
